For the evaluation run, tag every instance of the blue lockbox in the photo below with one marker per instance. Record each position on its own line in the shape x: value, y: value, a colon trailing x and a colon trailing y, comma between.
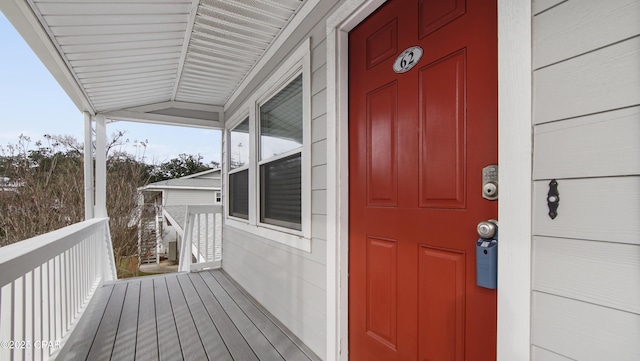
x: 487, y: 263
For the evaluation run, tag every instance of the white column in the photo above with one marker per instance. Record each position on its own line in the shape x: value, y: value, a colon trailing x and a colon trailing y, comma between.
x: 88, y: 167
x: 101, y: 166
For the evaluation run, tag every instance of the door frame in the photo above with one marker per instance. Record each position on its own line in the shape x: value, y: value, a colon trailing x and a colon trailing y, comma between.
x: 514, y: 157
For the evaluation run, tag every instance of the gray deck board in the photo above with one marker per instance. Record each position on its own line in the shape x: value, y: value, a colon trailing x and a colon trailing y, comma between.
x: 289, y: 350
x: 102, y: 346
x: 191, y: 317
x: 258, y: 342
x: 124, y: 348
x: 147, y: 336
x: 192, y: 347
x: 169, y: 348
x: 236, y: 344
x: 213, y: 343
x: 84, y: 334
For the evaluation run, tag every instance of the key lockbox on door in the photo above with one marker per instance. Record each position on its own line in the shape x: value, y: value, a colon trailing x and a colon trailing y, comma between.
x: 487, y: 255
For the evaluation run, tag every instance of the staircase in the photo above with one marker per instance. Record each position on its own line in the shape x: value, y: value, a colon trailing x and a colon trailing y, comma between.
x: 147, y: 244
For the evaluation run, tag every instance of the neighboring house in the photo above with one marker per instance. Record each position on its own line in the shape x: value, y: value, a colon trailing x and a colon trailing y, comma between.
x: 353, y: 161
x: 169, y: 200
x: 7, y: 185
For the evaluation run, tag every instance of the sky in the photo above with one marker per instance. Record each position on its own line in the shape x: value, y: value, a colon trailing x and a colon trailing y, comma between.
x: 33, y: 104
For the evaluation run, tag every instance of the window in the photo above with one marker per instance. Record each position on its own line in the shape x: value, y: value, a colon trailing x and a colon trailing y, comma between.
x: 218, y: 197
x: 239, y: 170
x: 269, y: 157
x: 281, y: 157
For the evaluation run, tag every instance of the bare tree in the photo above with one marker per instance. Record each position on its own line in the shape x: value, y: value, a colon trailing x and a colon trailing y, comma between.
x: 43, y: 190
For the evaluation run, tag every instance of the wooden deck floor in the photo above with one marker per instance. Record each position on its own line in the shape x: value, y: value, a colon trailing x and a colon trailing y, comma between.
x: 196, y: 316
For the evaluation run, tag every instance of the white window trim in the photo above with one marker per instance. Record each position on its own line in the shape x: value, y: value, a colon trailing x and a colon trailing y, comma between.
x: 299, y: 62
x: 234, y: 122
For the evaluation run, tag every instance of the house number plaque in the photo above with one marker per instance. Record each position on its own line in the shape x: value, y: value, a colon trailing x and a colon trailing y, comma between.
x: 407, y: 60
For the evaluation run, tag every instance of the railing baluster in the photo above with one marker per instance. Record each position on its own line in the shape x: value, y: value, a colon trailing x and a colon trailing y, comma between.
x: 37, y: 311
x: 198, y: 258
x: 51, y: 300
x: 58, y: 290
x: 6, y: 322
x: 67, y: 288
x: 85, y: 268
x: 28, y: 315
x: 63, y: 292
x: 74, y: 282
x: 46, y: 320
x: 18, y: 315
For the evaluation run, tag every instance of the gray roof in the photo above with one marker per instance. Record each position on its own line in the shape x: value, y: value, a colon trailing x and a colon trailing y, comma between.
x: 178, y: 213
x: 206, y: 179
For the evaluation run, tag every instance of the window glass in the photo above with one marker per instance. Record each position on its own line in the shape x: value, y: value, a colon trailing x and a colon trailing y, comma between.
x: 281, y: 194
x: 239, y: 194
x: 281, y: 121
x: 239, y: 145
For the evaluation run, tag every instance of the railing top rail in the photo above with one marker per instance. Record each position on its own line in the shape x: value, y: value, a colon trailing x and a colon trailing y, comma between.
x: 21, y: 257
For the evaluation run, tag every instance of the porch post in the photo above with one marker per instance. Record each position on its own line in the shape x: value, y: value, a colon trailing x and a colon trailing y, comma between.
x: 88, y: 167
x: 101, y: 166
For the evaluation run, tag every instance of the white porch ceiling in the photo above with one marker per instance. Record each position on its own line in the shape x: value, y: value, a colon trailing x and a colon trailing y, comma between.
x: 157, y: 56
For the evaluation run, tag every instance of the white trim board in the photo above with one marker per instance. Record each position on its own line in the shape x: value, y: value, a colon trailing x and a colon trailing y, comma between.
x: 515, y: 158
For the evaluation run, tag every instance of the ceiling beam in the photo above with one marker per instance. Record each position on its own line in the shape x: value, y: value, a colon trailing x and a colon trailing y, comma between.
x: 185, y: 46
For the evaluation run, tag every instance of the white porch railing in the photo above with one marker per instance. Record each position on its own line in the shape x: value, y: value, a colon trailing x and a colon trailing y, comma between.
x: 46, y: 283
x: 202, y: 238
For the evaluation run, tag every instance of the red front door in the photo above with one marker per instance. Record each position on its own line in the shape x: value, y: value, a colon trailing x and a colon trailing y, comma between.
x: 418, y: 143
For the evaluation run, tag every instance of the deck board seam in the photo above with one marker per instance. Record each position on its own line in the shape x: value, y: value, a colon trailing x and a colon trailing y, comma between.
x: 197, y: 300
x: 213, y: 274
x: 231, y: 319
x: 228, y: 317
x: 101, y: 318
x: 173, y: 316
x: 206, y: 309
x: 181, y: 293
x: 287, y: 333
x: 119, y: 308
x: 191, y: 315
x: 100, y: 323
x: 115, y: 338
x: 135, y: 343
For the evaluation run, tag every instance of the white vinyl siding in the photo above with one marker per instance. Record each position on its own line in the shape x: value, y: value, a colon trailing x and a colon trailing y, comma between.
x: 291, y: 283
x: 181, y: 197
x: 586, y: 262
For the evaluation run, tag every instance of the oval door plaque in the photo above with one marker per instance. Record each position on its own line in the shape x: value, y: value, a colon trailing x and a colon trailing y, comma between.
x: 407, y: 60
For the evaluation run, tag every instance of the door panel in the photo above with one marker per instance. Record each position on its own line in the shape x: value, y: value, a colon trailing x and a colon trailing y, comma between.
x: 417, y: 144
x: 441, y: 300
x: 382, y: 44
x: 435, y: 14
x: 381, y: 290
x: 442, y: 86
x: 382, y: 161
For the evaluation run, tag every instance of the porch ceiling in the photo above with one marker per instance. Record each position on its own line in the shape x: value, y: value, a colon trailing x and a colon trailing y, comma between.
x: 161, y: 59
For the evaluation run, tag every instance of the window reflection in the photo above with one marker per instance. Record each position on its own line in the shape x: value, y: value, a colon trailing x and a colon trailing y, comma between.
x: 239, y: 145
x: 281, y: 121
